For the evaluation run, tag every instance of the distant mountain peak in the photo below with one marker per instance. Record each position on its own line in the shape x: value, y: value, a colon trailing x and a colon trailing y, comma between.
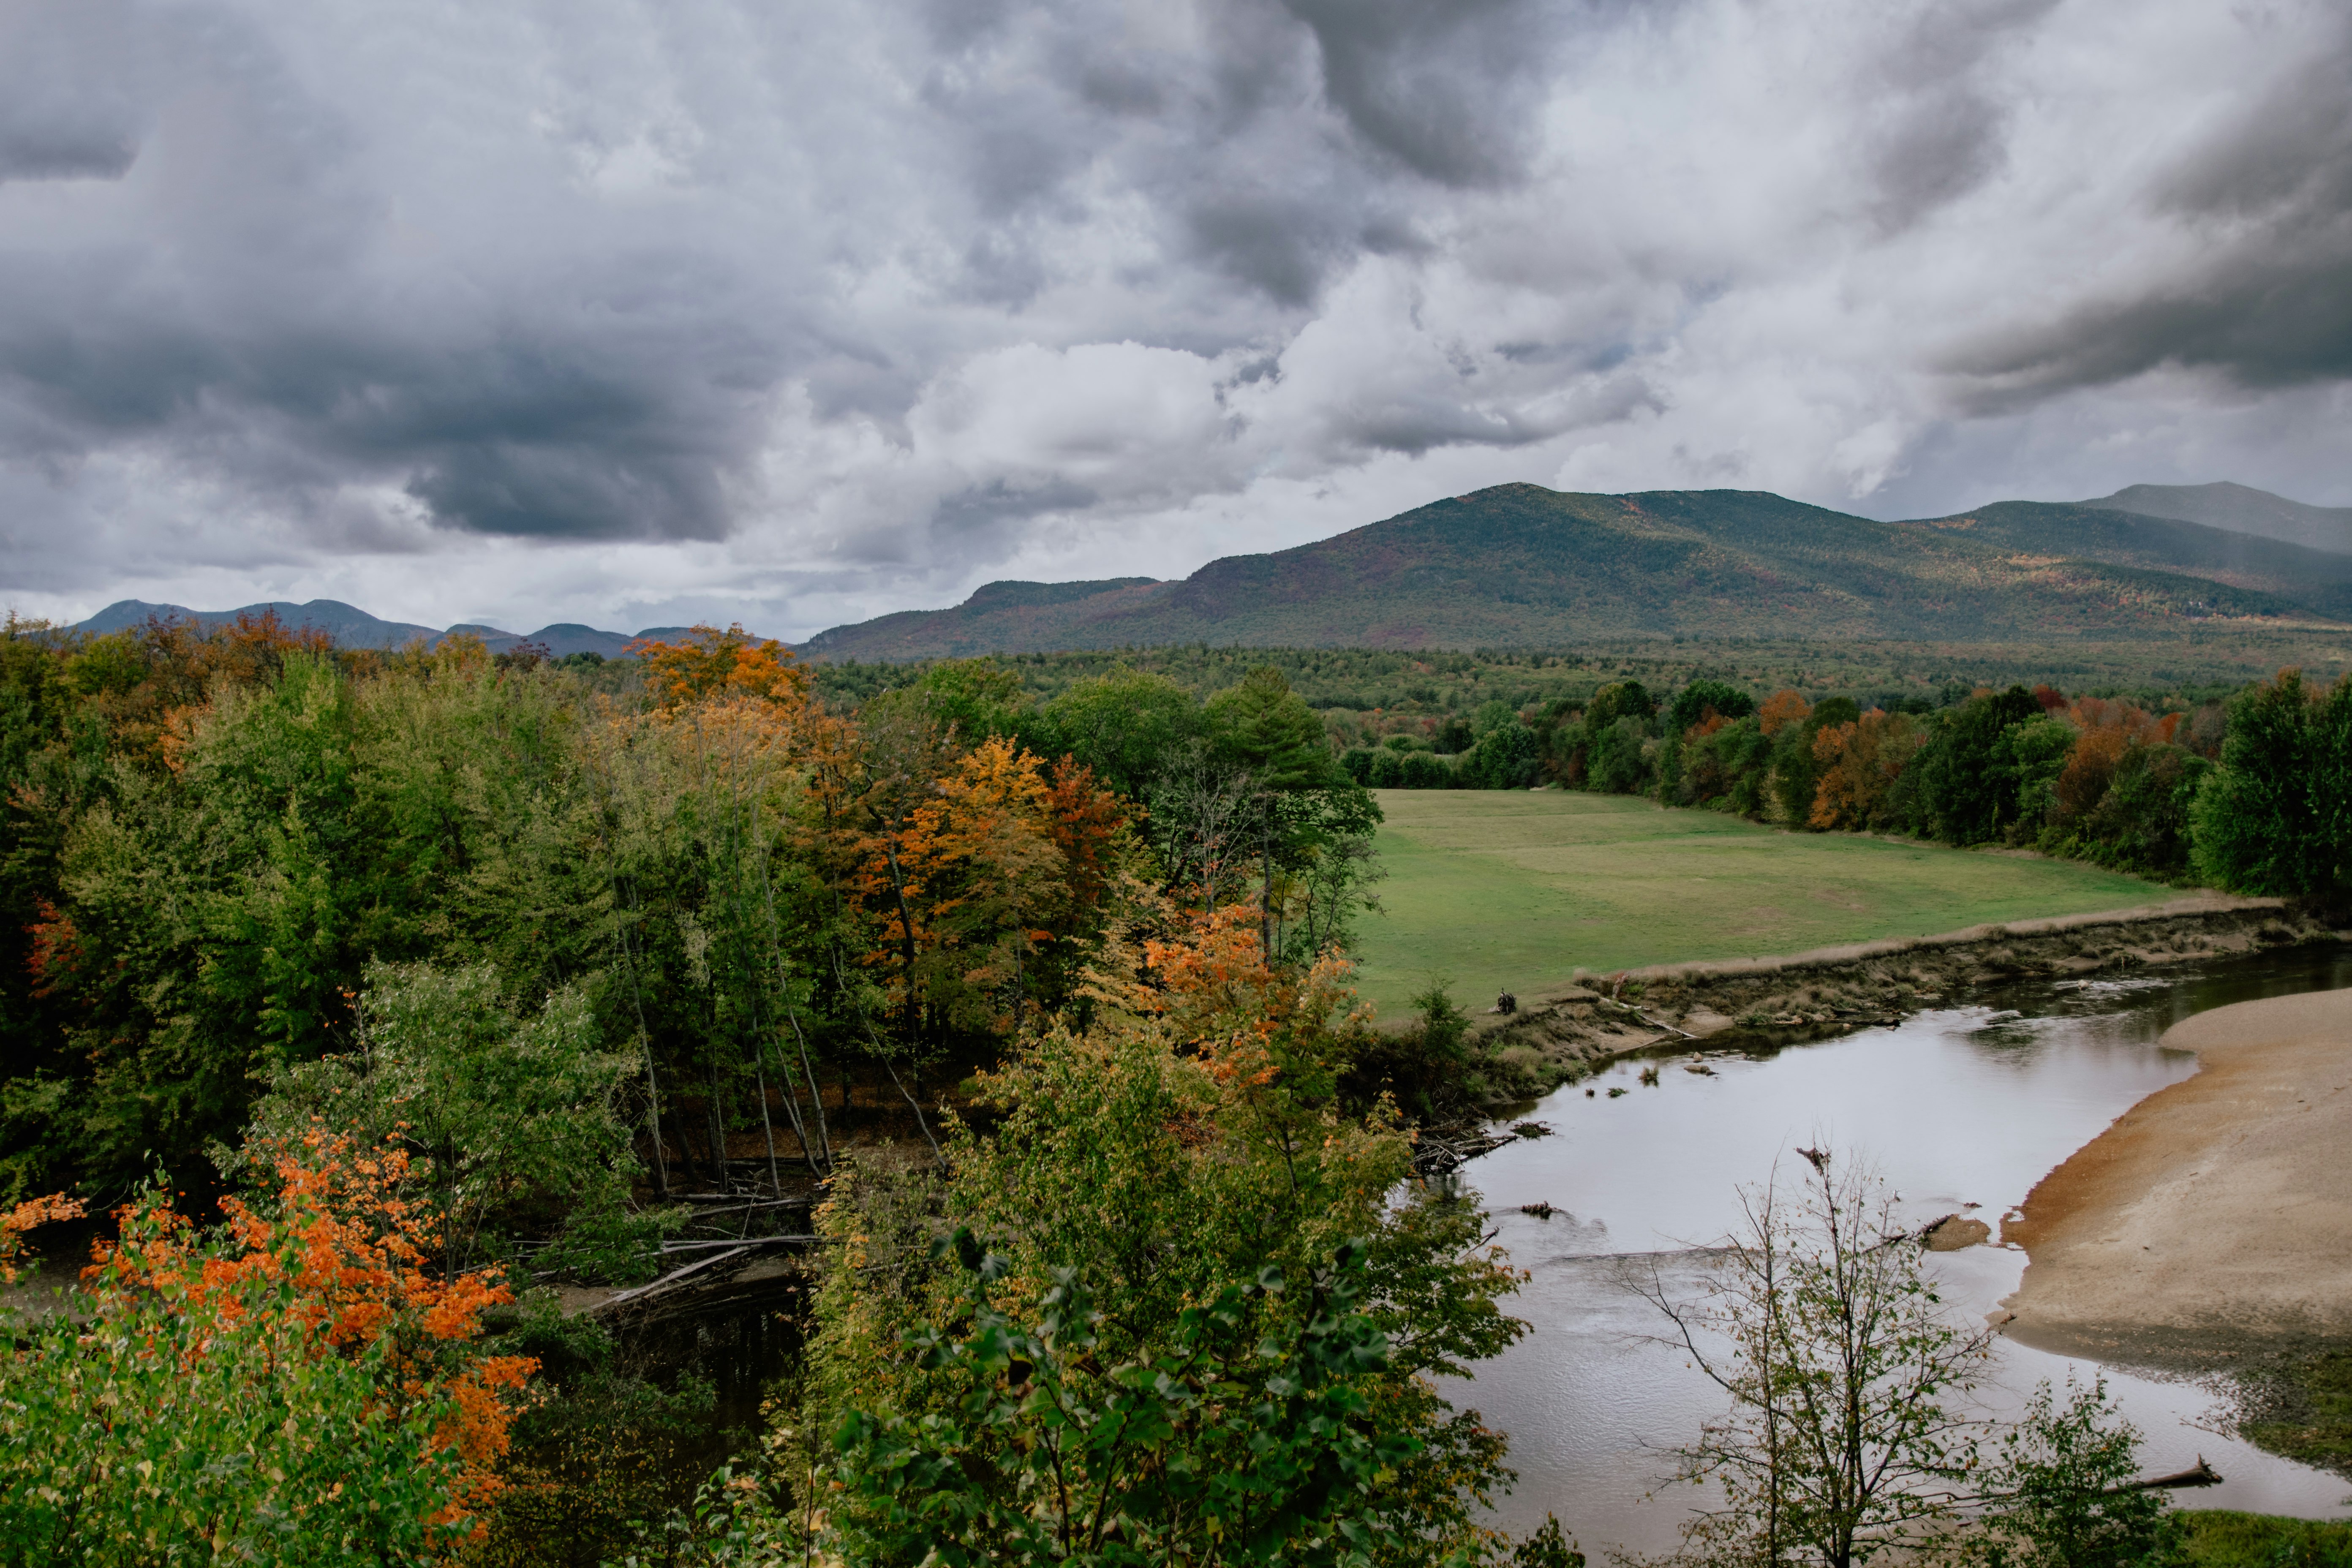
x: 2241, y: 509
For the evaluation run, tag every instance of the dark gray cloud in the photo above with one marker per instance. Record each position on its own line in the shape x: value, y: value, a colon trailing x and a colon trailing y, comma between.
x: 2262, y: 293
x: 1939, y: 126
x: 1445, y: 87
x: 621, y: 310
x: 69, y: 107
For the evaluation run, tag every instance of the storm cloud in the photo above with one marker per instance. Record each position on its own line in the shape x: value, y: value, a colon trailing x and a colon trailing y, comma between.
x: 628, y: 312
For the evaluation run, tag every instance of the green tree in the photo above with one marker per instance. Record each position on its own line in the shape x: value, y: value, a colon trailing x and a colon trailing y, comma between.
x: 1822, y: 1325
x: 1244, y: 1435
x: 1621, y: 699
x: 2141, y: 823
x: 1620, y: 757
x: 1508, y: 756
x: 1266, y: 729
x: 1966, y: 792
x: 2030, y: 756
x: 1123, y: 725
x: 1165, y: 1159
x: 2276, y: 818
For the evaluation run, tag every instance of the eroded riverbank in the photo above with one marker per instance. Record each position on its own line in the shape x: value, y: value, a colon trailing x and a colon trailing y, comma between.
x: 1770, y: 1002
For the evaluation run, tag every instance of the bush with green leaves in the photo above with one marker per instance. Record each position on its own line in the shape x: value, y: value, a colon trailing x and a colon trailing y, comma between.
x: 2059, y: 1494
x: 515, y: 1113
x: 1246, y: 1437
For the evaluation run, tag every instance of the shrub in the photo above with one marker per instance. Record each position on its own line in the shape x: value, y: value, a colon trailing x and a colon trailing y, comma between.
x: 298, y: 1387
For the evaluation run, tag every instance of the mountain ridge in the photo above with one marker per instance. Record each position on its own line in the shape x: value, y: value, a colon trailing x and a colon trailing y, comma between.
x: 352, y: 626
x: 1519, y: 564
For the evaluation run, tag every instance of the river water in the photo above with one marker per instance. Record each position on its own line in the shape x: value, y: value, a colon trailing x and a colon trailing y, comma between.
x: 1957, y: 1107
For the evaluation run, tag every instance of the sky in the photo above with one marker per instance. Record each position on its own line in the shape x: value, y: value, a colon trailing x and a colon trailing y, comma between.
x: 795, y: 314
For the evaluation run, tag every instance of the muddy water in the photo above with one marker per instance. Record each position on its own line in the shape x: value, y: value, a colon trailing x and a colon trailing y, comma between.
x: 1969, y: 1106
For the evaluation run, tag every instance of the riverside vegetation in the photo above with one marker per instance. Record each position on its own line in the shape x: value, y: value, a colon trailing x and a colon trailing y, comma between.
x: 446, y: 978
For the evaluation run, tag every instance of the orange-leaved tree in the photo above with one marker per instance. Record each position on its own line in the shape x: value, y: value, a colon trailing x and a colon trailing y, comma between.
x: 297, y: 1385
x: 711, y: 663
x: 995, y: 862
x: 1860, y: 761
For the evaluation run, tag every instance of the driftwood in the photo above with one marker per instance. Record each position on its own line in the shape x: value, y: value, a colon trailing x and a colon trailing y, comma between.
x: 1435, y: 1156
x: 670, y: 1246
x: 2197, y: 1474
x: 670, y: 1279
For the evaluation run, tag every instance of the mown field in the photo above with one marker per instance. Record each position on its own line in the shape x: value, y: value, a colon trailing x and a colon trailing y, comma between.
x: 1496, y: 891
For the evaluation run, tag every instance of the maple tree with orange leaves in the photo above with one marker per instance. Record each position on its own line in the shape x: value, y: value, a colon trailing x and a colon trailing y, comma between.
x: 298, y: 1383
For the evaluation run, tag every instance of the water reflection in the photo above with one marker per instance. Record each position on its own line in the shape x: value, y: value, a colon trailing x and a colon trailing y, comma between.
x: 1961, y: 1109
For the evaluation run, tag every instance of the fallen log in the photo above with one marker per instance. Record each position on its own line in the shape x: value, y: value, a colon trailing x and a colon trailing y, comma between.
x: 2197, y: 1474
x: 669, y: 1280
x: 668, y: 1247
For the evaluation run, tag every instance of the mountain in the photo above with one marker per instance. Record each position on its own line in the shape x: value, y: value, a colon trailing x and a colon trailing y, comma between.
x: 1522, y: 565
x: 2241, y: 510
x: 349, y: 625
x: 352, y: 626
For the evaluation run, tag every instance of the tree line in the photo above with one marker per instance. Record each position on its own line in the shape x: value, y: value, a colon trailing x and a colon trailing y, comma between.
x: 2245, y: 794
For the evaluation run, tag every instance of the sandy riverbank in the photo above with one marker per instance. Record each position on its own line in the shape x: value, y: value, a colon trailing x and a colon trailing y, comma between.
x: 2213, y: 1214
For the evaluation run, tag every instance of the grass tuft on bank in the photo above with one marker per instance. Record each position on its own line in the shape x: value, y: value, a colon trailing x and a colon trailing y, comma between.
x: 1514, y: 890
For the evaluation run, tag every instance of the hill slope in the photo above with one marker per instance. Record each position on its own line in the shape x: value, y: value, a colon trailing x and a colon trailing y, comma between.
x: 1523, y: 566
x: 2241, y: 510
x: 2320, y: 580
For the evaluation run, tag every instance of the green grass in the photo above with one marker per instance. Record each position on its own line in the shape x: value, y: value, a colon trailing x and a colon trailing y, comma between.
x: 2218, y: 1538
x: 1514, y: 889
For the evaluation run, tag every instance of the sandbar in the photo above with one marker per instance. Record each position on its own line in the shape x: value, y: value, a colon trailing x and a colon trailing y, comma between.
x: 2215, y: 1213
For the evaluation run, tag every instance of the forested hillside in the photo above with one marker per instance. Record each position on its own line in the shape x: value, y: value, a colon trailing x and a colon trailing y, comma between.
x: 1522, y: 566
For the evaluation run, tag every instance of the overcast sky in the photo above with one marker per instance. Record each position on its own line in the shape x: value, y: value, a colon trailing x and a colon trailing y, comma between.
x: 799, y: 312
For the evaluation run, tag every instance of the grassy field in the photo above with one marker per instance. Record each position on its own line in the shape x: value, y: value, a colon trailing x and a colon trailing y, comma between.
x: 1513, y: 890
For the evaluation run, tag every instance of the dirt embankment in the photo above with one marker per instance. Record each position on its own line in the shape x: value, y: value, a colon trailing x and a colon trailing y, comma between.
x: 1567, y: 1030
x: 2215, y: 1215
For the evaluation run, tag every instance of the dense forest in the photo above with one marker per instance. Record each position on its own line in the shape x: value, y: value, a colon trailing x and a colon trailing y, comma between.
x: 369, y: 999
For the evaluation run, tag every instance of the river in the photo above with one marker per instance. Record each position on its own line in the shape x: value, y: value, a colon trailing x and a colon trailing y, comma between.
x: 1958, y: 1107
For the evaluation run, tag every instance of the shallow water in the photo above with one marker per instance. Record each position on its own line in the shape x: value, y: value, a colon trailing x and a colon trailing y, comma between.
x: 1957, y: 1107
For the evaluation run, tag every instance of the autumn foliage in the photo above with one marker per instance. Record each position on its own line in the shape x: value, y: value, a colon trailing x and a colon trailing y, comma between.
x: 303, y: 1366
